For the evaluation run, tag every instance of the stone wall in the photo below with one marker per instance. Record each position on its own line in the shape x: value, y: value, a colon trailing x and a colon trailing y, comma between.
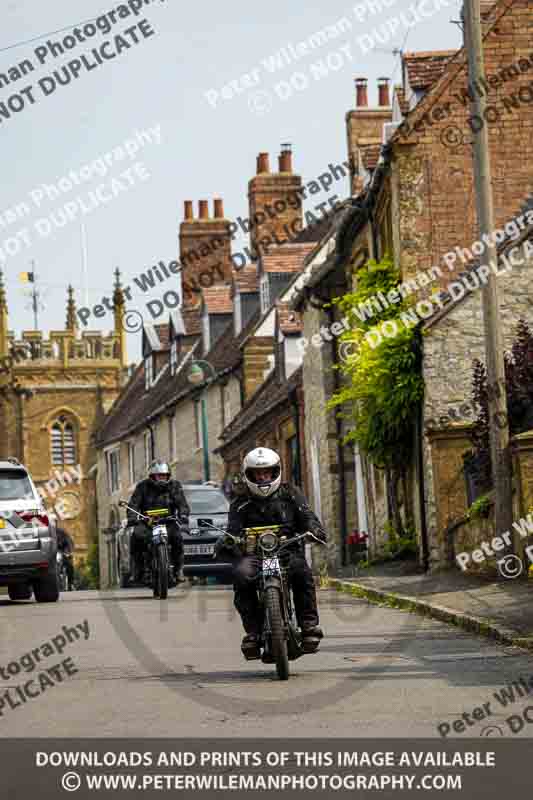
x: 450, y: 347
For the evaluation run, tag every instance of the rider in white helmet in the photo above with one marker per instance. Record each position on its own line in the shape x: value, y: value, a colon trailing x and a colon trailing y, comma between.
x: 268, y: 501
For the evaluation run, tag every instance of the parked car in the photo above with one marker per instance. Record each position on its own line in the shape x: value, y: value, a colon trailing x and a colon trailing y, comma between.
x: 28, y: 540
x: 209, y: 506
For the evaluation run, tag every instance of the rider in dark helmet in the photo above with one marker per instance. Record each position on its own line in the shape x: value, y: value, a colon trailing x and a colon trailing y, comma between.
x: 268, y: 501
x: 158, y: 491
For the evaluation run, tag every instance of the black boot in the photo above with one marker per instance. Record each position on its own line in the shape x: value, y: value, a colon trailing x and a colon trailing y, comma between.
x: 311, y: 636
x: 250, y: 647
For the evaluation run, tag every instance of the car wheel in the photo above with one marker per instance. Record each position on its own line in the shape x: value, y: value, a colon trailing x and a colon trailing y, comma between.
x: 19, y: 591
x: 46, y: 589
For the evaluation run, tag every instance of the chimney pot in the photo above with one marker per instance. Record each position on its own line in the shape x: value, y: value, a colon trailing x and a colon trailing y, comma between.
x: 285, y: 158
x: 204, y: 209
x: 219, y: 208
x: 362, y: 95
x: 189, y: 213
x: 383, y: 91
x: 263, y: 163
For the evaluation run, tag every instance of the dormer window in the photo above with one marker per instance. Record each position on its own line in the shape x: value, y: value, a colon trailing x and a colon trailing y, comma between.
x: 149, y: 371
x: 173, y: 357
x: 265, y: 294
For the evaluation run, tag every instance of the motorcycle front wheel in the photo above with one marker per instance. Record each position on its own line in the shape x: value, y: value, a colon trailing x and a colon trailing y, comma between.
x: 277, y: 628
x: 161, y: 573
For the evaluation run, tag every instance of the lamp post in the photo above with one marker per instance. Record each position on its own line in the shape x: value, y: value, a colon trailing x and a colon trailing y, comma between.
x: 197, y: 376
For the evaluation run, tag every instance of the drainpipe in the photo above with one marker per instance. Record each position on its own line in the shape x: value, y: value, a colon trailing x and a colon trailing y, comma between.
x: 419, y: 434
x: 340, y: 449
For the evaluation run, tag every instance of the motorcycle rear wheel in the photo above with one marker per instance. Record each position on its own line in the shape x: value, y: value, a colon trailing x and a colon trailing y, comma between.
x: 277, y: 627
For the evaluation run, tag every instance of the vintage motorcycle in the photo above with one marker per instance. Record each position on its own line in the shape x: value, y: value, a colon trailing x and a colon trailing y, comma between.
x: 281, y: 639
x: 158, y: 561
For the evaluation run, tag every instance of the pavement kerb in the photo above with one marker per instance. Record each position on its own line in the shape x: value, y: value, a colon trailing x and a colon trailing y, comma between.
x: 467, y: 622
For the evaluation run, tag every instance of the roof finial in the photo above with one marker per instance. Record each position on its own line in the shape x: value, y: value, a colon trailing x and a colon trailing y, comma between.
x: 71, y: 310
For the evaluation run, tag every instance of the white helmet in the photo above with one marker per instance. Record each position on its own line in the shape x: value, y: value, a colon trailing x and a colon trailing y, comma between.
x: 262, y: 458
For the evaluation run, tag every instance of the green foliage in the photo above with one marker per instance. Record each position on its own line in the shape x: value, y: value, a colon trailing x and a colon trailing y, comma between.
x: 384, y: 383
x: 90, y: 569
x: 479, y: 508
x: 82, y: 577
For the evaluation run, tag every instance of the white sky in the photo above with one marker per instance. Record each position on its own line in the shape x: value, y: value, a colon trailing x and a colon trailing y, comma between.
x: 205, y: 152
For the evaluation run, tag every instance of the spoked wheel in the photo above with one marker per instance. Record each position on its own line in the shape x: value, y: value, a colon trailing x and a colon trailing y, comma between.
x: 161, y: 573
x: 279, y: 641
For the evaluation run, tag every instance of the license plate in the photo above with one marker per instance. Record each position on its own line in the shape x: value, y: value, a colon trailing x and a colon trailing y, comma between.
x: 2, y: 522
x: 271, y: 566
x: 159, y: 530
x: 198, y: 549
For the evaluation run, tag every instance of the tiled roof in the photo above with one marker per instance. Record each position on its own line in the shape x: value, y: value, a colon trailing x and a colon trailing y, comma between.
x: 217, y: 299
x: 135, y: 405
x: 402, y: 102
x: 286, y: 258
x: 269, y: 395
x: 289, y: 321
x: 425, y: 68
x: 246, y: 278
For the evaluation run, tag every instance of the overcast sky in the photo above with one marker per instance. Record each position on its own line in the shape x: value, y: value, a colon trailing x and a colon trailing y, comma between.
x: 204, y: 152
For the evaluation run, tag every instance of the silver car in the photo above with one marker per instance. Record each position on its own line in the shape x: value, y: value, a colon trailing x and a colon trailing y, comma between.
x: 28, y: 540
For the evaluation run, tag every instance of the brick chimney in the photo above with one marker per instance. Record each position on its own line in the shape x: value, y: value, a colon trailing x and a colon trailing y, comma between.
x: 361, y: 99
x: 365, y: 125
x: 205, y: 251
x: 384, y: 92
x: 275, y: 207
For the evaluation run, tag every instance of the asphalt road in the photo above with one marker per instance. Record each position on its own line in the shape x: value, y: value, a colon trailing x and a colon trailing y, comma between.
x: 174, y: 668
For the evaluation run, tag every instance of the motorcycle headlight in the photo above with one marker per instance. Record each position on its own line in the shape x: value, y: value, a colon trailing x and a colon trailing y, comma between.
x: 268, y: 541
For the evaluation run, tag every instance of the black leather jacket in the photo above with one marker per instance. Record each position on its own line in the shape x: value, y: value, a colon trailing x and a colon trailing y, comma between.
x: 287, y: 507
x: 150, y: 494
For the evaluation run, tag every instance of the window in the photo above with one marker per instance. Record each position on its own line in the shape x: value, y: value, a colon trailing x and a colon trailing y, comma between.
x: 113, y: 470
x: 63, y: 442
x: 131, y: 462
x: 149, y: 371
x: 293, y: 460
x: 265, y: 294
x: 225, y: 408
x: 148, y: 450
x: 172, y: 438
x: 173, y: 357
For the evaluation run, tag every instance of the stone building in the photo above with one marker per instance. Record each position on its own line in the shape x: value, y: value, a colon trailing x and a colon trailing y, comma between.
x: 54, y: 394
x: 415, y: 200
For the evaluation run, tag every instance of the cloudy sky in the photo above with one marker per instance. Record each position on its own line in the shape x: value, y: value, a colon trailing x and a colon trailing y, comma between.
x: 184, y: 77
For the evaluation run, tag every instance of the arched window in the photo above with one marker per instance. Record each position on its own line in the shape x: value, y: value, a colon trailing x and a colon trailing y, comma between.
x: 63, y: 442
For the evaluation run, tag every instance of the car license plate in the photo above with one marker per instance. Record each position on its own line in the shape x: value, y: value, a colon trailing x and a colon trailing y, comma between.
x: 198, y: 549
x: 2, y: 523
x: 271, y: 566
